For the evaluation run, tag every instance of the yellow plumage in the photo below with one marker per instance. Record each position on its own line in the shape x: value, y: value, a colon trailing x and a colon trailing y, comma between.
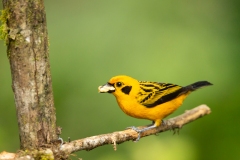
x: 148, y: 100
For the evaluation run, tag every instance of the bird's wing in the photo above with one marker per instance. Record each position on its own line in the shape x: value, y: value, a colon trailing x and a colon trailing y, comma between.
x: 152, y: 94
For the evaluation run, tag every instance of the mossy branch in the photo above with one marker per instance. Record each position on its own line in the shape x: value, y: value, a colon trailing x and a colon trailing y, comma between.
x: 114, y: 138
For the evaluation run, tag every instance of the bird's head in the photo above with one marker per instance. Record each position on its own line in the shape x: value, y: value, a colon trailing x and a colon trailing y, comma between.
x: 120, y: 86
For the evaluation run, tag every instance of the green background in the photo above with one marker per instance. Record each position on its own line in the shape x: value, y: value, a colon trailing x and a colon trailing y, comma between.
x: 167, y: 41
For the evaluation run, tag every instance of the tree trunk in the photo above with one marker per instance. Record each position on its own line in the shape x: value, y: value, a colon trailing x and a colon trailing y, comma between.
x: 27, y: 49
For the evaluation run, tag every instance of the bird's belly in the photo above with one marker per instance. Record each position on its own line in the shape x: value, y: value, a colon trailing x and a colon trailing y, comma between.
x: 134, y: 109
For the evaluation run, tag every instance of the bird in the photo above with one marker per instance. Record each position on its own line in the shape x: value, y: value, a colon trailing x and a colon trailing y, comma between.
x: 148, y: 100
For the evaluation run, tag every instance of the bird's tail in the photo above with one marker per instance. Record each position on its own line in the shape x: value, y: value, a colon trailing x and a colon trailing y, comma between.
x: 197, y: 85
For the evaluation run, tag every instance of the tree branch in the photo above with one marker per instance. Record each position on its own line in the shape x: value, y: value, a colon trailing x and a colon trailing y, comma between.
x: 115, y: 138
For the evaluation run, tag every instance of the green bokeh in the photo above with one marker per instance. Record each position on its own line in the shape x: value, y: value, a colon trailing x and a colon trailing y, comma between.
x: 167, y: 41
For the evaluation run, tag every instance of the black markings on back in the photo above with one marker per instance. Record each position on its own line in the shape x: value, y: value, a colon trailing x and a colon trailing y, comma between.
x: 166, y: 98
x: 126, y: 89
x: 154, y: 93
x: 146, y: 98
x: 167, y: 86
x: 145, y: 89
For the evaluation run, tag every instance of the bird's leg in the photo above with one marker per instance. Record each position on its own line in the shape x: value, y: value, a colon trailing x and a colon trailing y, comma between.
x: 139, y: 131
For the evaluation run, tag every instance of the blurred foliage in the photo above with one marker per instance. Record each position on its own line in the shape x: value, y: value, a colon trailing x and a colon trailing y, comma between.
x: 167, y: 41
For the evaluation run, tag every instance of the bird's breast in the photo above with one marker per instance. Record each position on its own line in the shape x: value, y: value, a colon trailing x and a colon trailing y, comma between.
x: 131, y: 107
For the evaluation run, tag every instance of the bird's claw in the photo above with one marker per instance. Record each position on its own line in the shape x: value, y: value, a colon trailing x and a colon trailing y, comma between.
x: 135, y: 129
x: 139, y: 131
x: 164, y: 123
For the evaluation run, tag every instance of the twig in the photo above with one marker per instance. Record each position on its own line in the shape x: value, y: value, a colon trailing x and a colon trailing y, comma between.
x: 118, y: 137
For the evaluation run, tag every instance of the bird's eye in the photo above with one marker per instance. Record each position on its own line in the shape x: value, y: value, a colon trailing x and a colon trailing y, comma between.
x: 119, y: 84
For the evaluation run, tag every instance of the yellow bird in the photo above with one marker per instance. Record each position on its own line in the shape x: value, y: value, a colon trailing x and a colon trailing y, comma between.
x: 148, y: 100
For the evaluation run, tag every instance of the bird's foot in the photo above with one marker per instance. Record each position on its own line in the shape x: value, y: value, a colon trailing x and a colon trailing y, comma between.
x: 139, y: 131
x: 135, y: 129
x: 167, y: 124
x: 164, y: 123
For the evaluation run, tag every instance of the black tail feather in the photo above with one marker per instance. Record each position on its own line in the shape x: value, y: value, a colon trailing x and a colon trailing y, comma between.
x: 197, y: 85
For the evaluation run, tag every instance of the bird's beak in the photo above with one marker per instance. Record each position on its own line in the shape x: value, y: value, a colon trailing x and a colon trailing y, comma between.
x: 106, y: 88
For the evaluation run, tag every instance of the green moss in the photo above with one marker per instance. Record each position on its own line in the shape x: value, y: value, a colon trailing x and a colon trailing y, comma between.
x: 44, y: 155
x: 3, y: 28
x: 38, y: 154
